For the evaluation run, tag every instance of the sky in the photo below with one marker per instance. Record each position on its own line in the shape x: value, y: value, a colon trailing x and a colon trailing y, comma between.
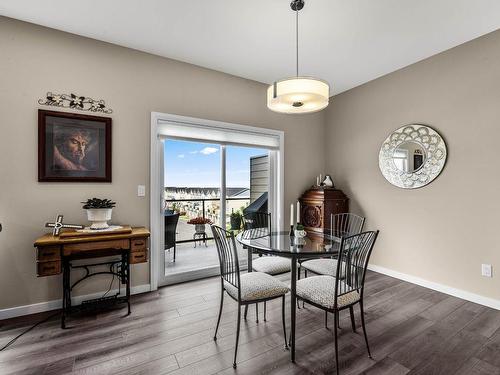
x: 196, y: 164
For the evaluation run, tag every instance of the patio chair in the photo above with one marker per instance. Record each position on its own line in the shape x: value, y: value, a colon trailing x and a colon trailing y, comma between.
x: 171, y: 231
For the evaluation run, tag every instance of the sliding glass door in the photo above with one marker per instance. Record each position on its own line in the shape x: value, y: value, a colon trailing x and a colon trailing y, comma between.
x: 207, y: 183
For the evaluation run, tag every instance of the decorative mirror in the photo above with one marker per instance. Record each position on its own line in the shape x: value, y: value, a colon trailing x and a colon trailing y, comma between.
x: 412, y: 156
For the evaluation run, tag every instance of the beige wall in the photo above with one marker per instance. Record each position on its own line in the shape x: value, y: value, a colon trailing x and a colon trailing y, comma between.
x: 35, y: 60
x: 444, y: 231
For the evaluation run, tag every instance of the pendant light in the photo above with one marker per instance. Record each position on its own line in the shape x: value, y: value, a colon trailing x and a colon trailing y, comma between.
x: 298, y: 94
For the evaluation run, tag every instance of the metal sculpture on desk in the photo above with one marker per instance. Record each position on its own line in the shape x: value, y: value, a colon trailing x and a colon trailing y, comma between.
x: 58, y: 225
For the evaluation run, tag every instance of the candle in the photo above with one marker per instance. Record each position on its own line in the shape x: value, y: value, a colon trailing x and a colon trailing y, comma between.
x: 291, y: 215
x: 320, y: 179
x: 317, y: 180
x: 298, y: 212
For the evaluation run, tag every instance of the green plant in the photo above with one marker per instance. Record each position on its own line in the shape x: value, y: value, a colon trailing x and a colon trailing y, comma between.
x: 236, y: 215
x: 299, y: 227
x: 98, y: 203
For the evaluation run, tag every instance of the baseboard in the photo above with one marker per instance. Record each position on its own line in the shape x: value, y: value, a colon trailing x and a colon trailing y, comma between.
x: 472, y: 297
x: 13, y: 312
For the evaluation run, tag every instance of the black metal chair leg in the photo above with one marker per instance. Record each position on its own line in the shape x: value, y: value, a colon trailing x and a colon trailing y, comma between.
x: 237, y: 335
x: 353, y: 322
x: 246, y: 312
x: 364, y: 327
x: 305, y: 277
x: 256, y: 313
x: 265, y: 308
x: 220, y: 313
x: 336, y: 320
x: 283, y: 320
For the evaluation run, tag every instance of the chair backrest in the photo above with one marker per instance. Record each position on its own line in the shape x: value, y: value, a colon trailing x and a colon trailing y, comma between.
x: 353, y: 258
x: 228, y: 256
x: 170, y: 230
x: 256, y: 224
x: 346, y: 224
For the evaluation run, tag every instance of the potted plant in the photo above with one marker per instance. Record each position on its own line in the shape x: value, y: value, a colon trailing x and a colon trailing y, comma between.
x: 235, y: 220
x: 99, y: 212
x: 199, y: 224
x: 299, y: 231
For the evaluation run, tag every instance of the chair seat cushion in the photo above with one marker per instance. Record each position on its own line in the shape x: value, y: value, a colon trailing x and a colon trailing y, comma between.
x: 271, y: 265
x: 321, y: 291
x: 257, y: 285
x: 322, y: 267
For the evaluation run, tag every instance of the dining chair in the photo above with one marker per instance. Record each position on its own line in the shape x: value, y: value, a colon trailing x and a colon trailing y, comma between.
x: 341, y: 225
x: 247, y: 288
x: 255, y: 225
x: 345, y: 290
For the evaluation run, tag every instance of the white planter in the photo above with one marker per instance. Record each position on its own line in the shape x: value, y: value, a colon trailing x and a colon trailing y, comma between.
x: 99, y: 217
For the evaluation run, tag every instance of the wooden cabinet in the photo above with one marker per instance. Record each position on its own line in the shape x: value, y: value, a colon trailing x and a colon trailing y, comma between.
x: 50, y: 250
x: 316, y: 207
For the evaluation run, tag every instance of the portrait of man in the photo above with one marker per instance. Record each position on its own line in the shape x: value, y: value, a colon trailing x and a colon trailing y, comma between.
x: 73, y: 147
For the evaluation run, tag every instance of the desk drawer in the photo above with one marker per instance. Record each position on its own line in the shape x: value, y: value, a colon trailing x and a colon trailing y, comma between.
x: 47, y: 253
x: 138, y: 244
x: 138, y: 257
x: 48, y: 268
x: 69, y: 249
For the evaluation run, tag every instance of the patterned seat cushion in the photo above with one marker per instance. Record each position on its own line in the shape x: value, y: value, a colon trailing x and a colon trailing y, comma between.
x: 321, y: 290
x: 323, y: 267
x: 257, y: 285
x: 271, y: 265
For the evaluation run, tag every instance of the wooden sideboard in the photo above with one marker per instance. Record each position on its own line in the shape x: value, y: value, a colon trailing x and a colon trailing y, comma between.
x: 316, y: 207
x: 54, y: 255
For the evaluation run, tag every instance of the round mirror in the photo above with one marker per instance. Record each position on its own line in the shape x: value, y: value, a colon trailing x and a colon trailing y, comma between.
x: 412, y: 156
x: 409, y: 156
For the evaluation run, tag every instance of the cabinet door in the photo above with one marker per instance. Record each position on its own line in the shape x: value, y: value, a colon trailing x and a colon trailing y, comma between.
x: 312, y: 215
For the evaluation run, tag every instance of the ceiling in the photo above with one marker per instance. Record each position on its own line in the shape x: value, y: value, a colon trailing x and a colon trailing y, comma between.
x: 346, y: 42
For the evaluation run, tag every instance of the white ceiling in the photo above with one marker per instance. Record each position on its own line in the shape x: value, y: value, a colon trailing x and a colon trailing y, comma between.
x: 346, y: 42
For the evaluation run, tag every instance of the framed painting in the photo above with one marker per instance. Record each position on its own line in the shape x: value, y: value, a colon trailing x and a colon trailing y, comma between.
x: 73, y: 147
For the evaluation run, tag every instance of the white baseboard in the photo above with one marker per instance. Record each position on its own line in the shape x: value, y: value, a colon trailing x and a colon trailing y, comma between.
x: 56, y: 304
x: 476, y: 298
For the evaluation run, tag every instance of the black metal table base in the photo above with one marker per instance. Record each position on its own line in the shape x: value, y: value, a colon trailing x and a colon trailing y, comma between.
x: 122, y: 272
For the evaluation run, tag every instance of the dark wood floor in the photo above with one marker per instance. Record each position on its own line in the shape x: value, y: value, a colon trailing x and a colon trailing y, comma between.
x: 412, y: 330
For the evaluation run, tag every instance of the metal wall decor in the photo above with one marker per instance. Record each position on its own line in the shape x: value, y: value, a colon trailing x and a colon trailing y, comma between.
x: 412, y: 156
x: 73, y: 101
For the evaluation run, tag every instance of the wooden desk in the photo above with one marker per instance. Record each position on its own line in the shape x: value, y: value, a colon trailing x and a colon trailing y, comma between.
x: 54, y: 256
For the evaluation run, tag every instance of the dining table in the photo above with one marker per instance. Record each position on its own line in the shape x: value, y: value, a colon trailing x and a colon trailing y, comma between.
x: 282, y: 244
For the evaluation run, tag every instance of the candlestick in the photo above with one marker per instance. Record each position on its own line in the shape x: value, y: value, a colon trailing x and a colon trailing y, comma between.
x: 298, y: 212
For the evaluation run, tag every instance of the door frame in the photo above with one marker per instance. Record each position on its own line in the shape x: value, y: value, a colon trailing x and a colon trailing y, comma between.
x: 276, y: 179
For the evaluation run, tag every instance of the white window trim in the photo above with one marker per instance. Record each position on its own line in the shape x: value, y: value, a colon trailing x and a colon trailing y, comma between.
x: 156, y: 193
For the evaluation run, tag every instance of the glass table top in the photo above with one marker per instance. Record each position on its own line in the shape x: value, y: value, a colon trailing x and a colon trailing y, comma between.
x: 280, y: 243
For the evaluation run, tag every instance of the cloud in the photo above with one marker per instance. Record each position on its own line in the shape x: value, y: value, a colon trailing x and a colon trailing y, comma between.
x: 193, y: 152
x: 209, y: 150
x: 181, y: 156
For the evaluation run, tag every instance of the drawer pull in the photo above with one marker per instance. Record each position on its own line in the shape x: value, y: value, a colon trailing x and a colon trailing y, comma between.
x: 139, y: 243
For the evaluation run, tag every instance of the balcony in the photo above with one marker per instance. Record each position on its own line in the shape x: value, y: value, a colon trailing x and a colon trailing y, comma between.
x: 196, y: 254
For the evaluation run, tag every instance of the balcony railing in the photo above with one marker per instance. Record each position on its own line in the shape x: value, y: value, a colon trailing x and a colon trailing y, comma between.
x: 191, y: 211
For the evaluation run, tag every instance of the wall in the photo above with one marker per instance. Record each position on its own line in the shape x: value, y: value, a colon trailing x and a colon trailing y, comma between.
x: 444, y: 231
x: 36, y: 60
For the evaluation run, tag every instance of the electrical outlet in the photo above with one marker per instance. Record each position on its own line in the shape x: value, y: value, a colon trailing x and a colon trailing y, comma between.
x: 486, y: 270
x: 141, y: 190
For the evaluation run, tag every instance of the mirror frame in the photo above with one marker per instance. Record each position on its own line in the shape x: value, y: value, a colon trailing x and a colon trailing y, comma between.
x: 432, y: 143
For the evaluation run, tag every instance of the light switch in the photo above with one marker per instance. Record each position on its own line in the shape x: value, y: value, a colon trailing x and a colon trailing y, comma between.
x: 141, y: 190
